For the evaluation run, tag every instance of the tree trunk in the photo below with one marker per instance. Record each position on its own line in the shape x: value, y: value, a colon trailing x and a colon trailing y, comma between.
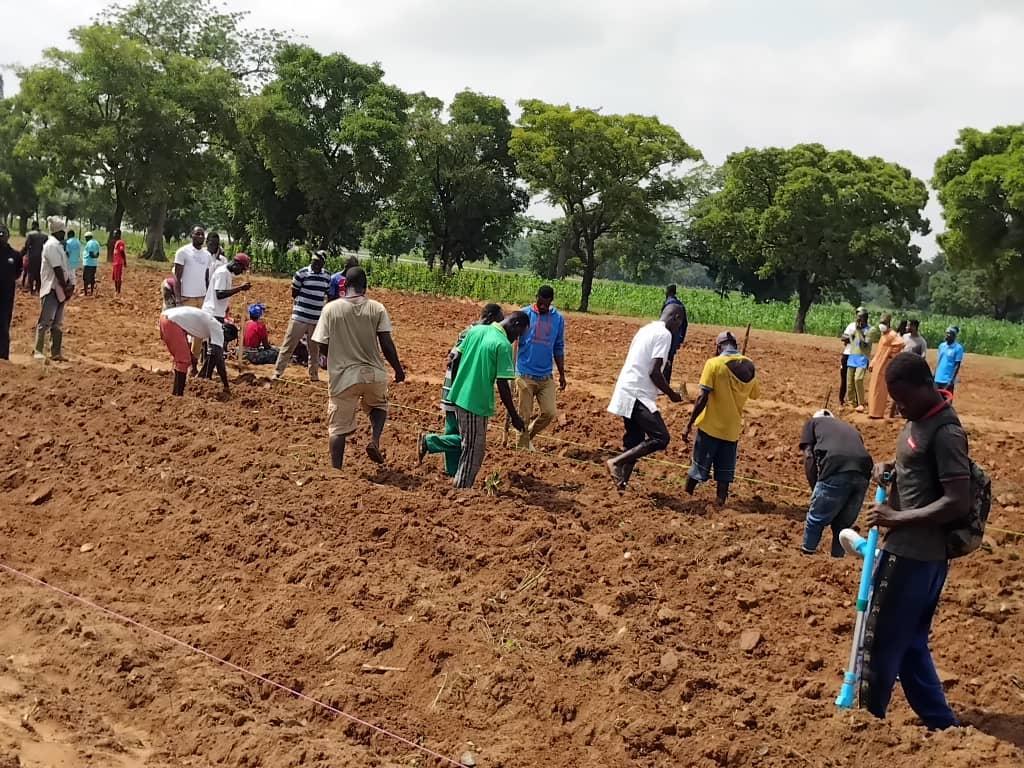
x: 589, y: 267
x: 22, y: 224
x: 115, y: 223
x: 806, y: 293
x: 155, y: 233
x: 564, y: 252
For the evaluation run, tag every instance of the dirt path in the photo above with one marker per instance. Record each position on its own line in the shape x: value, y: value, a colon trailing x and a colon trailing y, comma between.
x: 555, y: 624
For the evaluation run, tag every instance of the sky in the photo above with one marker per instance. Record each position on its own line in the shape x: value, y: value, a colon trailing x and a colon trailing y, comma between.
x: 896, y: 79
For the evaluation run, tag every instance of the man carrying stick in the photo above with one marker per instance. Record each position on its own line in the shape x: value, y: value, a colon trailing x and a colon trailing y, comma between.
x: 636, y: 392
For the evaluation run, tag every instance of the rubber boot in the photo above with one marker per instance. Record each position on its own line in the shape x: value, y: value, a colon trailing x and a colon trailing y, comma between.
x: 56, y: 340
x: 40, y: 340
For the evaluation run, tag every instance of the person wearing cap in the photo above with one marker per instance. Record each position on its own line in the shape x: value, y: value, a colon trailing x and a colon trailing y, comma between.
x: 56, y: 285
x: 120, y: 261
x: 309, y: 289
x: 90, y: 261
x: 10, y: 271
x: 218, y: 295
x: 255, y: 340
x: 948, y: 360
x: 838, y: 469
x: 729, y: 379
x: 635, y: 397
x: 176, y: 325
x: 855, y: 354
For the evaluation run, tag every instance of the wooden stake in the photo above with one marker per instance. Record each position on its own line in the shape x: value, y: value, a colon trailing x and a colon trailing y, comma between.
x: 746, y: 339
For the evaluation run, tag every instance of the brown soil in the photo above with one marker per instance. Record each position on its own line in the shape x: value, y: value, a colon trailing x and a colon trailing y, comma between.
x: 556, y: 623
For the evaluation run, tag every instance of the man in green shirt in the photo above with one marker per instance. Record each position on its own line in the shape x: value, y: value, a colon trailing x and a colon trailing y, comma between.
x: 485, y: 357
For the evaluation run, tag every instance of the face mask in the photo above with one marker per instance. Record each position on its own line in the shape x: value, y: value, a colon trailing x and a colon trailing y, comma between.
x: 883, y: 327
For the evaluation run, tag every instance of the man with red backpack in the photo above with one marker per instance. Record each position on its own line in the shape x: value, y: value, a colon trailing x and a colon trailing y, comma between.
x: 937, y: 507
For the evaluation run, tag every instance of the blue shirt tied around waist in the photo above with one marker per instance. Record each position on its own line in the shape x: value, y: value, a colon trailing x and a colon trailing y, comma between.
x: 541, y: 343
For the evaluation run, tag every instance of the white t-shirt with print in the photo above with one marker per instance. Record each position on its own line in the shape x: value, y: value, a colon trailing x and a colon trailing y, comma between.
x: 54, y: 256
x: 196, y: 261
x: 651, y: 342
x: 197, y: 323
x: 221, y: 280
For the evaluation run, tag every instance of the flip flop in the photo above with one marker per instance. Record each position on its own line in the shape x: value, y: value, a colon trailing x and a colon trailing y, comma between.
x: 374, y: 453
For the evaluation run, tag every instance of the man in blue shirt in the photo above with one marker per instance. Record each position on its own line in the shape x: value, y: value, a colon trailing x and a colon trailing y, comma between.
x: 73, y: 248
x: 679, y: 337
x: 949, y: 360
x: 541, y: 344
x: 91, y: 261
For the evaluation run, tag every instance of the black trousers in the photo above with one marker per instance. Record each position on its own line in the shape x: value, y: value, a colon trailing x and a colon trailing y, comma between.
x: 646, y: 433
x: 6, y: 312
x: 843, y: 365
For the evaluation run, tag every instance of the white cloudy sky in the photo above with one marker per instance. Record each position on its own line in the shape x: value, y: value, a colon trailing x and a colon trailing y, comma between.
x: 895, y: 78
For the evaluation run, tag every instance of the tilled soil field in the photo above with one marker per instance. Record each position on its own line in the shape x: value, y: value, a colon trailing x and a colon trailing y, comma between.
x: 552, y: 622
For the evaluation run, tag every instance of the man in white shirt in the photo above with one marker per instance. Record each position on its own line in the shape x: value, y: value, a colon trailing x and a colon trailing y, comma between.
x: 55, y: 288
x: 218, y: 295
x: 636, y: 392
x: 176, y: 325
x: 192, y: 272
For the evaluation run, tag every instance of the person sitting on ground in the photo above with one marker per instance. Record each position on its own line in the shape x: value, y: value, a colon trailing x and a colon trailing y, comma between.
x: 255, y: 338
x: 449, y: 442
x: 838, y: 469
x: 948, y: 360
x: 635, y: 396
x: 728, y: 381
x: 91, y: 262
x: 931, y: 490
x: 176, y: 325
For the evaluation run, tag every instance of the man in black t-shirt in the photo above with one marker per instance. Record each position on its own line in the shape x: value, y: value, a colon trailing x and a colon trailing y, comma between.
x: 931, y: 488
x: 10, y: 271
x: 33, y: 249
x: 838, y: 469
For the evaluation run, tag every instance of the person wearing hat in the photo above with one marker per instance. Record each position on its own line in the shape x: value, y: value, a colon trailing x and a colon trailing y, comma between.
x: 32, y: 250
x: 838, y: 469
x: 90, y: 261
x: 309, y: 289
x: 56, y: 285
x: 635, y: 397
x: 948, y: 361
x: 255, y: 340
x: 10, y: 271
x: 729, y: 379
x: 856, y: 352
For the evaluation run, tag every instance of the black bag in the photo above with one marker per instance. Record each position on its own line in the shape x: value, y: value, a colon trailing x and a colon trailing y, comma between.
x: 965, y: 535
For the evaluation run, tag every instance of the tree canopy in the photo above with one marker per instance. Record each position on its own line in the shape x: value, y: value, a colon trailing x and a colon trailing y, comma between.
x: 980, y: 184
x: 832, y: 221
x: 606, y: 173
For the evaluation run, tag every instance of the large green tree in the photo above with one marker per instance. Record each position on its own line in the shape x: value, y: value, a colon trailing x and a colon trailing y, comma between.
x: 330, y: 129
x: 607, y: 173
x: 831, y: 221
x: 20, y: 176
x: 459, y: 194
x: 980, y: 183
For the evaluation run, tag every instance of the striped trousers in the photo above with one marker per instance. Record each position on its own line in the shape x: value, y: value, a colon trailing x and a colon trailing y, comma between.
x: 473, y: 430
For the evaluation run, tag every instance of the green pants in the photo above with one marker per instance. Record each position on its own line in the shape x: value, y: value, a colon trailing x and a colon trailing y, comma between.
x: 855, y: 386
x: 450, y: 444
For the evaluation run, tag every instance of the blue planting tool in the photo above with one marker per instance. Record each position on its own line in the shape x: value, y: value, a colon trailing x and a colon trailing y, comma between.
x: 848, y: 693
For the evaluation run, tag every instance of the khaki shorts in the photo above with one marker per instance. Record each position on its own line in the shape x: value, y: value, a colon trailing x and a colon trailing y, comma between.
x: 342, y: 409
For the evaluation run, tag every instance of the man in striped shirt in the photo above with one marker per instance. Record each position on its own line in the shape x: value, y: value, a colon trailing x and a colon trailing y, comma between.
x: 309, y: 287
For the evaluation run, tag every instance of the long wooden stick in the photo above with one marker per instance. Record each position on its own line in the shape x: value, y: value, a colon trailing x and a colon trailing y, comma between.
x: 746, y: 339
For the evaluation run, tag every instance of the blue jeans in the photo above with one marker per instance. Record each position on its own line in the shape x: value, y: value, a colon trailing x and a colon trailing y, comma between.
x: 835, y: 501
x: 713, y: 453
x: 896, y: 639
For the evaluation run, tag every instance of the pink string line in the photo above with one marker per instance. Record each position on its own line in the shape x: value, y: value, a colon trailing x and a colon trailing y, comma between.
x: 224, y: 662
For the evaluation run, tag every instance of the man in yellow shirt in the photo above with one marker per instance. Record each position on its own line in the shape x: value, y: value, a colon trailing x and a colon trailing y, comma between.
x: 728, y: 381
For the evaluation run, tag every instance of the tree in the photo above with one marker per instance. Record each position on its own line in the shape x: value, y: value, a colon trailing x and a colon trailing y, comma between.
x: 980, y: 184
x: 831, y: 221
x: 959, y: 293
x: 330, y: 129
x: 606, y: 172
x: 138, y: 119
x: 20, y: 176
x: 459, y: 193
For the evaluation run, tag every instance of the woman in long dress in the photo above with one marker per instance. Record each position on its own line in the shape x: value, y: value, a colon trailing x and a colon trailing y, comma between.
x: 890, y: 344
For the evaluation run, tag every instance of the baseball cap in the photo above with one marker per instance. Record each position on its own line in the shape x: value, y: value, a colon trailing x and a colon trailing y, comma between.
x: 242, y: 259
x: 726, y: 337
x: 57, y: 225
x: 824, y: 413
